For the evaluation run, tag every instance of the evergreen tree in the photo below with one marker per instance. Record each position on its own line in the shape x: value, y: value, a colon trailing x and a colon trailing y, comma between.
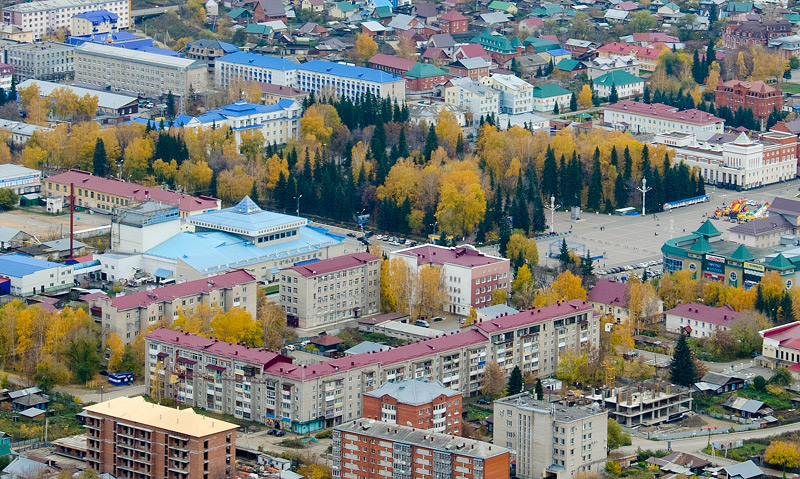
x: 564, y: 181
x: 555, y: 109
x: 711, y: 55
x: 573, y: 102
x: 564, y: 257
x: 515, y: 383
x: 402, y: 144
x: 614, y: 96
x: 759, y: 305
x: 596, y: 184
x: 550, y: 174
x: 698, y: 68
x: 621, y: 192
x: 505, y: 235
x: 644, y: 275
x: 587, y: 265
x: 431, y: 143
x: 682, y: 370
x: 170, y: 105
x: 646, y: 94
x: 614, y: 160
x: 539, y: 72
x: 460, y: 146
x: 212, y: 187
x: 100, y: 160
x: 713, y: 16
x: 626, y: 155
x: 539, y: 390
x: 254, y: 194
x: 787, y: 313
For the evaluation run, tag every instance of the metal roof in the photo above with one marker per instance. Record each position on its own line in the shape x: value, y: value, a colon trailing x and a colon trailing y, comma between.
x: 412, y: 391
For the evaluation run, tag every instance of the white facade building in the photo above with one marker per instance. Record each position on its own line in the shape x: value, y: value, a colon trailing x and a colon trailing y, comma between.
x: 739, y: 164
x: 602, y: 65
x: 516, y: 94
x: 46, y: 16
x: 638, y: 117
x: 473, y: 96
x: 31, y: 276
x: 18, y: 178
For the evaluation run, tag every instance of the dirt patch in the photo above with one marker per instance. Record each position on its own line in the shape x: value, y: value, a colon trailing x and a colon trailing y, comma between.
x: 693, y: 422
x: 47, y: 227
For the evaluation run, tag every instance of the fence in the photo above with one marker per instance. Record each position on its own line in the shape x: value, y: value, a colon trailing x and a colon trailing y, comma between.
x: 728, y: 417
x: 668, y: 436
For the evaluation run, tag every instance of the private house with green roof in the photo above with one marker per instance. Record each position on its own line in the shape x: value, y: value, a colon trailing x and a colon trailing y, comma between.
x: 499, y: 47
x: 571, y: 67
x: 539, y: 45
x: 500, y: 6
x: 240, y: 15
x: 546, y: 96
x: 256, y: 31
x: 707, y: 255
x: 424, y: 76
x: 341, y: 10
x: 627, y: 85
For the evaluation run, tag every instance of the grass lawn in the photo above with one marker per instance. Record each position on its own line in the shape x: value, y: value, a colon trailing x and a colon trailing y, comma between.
x: 477, y: 413
x: 792, y: 88
x: 741, y: 454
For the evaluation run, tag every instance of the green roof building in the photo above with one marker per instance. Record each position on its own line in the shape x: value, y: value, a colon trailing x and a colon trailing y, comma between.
x: 540, y: 45
x: 627, y: 85
x: 424, y: 70
x: 495, y: 43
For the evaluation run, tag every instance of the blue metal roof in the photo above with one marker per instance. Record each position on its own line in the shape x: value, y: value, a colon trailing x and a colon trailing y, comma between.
x: 211, y: 252
x: 348, y: 71
x: 18, y: 265
x: 246, y: 216
x: 263, y: 61
x: 98, y: 16
x: 558, y: 52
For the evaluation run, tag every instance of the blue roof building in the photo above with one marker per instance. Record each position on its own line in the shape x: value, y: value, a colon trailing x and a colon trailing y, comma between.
x: 243, y: 236
x: 122, y: 40
x: 34, y: 276
x: 95, y: 21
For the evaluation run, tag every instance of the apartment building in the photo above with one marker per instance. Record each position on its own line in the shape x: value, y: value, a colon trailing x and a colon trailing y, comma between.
x: 638, y: 117
x: 344, y: 79
x: 46, y: 16
x: 131, y: 314
x: 548, y: 95
x: 626, y: 85
x: 781, y: 346
x: 516, y: 95
x: 42, y: 61
x: 131, y: 438
x: 646, y: 403
x: 96, y: 21
x: 740, y: 163
x: 698, y: 320
x: 149, y: 75
x: 531, y: 428
x: 473, y: 96
x: 419, y: 404
x: 304, y: 398
x: 109, y: 194
x: 470, y: 276
x: 331, y: 291
x: 365, y: 449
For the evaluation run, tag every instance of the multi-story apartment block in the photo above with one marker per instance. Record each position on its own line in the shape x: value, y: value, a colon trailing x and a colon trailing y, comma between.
x: 331, y: 291
x: 646, y: 403
x: 781, y: 347
x: 601, y: 65
x: 475, y: 97
x: 624, y: 83
x: 739, y: 164
x: 96, y: 21
x: 147, y: 74
x: 42, y: 61
x: 638, y: 117
x: 548, y: 95
x: 698, y: 320
x: 755, y: 95
x: 365, y: 449
x: 108, y: 194
x: 277, y: 123
x: 531, y: 428
x: 516, y: 94
x: 46, y: 16
x: 209, y: 50
x: 470, y: 276
x: 317, y: 75
x: 131, y: 314
x: 419, y: 404
x: 6, y: 76
x: 304, y: 398
x: 130, y: 438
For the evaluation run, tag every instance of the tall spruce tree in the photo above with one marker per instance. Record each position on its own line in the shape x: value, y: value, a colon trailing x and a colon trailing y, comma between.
x: 515, y: 382
x: 573, y: 102
x: 614, y: 96
x: 681, y: 369
x: 538, y: 389
x: 100, y: 159
x: 595, y: 184
x: 550, y: 174
x: 621, y: 191
x: 563, y: 256
x: 431, y: 143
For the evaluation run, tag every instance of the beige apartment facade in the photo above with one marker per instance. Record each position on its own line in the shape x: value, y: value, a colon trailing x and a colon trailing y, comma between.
x: 331, y: 291
x: 146, y: 74
x: 551, y: 440
x: 304, y: 398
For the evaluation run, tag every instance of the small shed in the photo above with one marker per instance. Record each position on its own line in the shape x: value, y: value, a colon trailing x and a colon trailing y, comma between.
x: 327, y: 343
x: 747, y: 407
x: 31, y: 401
x: 30, y: 199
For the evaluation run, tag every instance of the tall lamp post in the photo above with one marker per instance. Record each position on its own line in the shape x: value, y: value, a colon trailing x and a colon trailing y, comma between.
x: 553, y: 207
x: 644, y: 189
x: 298, y: 204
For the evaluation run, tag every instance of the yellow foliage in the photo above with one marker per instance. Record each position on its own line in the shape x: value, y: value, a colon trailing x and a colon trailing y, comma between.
x: 447, y: 127
x: 366, y: 48
x: 462, y: 202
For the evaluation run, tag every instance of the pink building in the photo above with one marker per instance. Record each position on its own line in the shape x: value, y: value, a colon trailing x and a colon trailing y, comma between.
x: 469, y: 275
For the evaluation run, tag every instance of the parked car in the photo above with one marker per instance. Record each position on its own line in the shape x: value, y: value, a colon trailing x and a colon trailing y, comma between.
x: 352, y: 235
x: 368, y: 234
x: 484, y: 402
x: 422, y: 323
x: 272, y: 432
x: 280, y: 433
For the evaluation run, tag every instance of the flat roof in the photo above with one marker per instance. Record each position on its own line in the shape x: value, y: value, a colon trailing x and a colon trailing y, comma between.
x: 181, y: 421
x: 9, y: 171
x: 105, y: 99
x: 558, y: 411
x: 41, y: 5
x: 137, y: 56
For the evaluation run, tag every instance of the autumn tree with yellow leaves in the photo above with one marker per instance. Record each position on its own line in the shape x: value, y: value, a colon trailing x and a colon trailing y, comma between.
x: 366, y: 48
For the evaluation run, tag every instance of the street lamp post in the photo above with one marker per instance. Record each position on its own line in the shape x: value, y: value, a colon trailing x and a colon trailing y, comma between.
x: 553, y: 207
x: 298, y: 204
x: 644, y: 189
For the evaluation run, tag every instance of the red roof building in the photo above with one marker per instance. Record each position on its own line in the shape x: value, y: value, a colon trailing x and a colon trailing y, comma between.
x: 698, y: 320
x: 129, y: 315
x: 781, y: 346
x: 423, y: 404
x: 391, y: 64
x: 471, y: 50
x: 470, y: 276
x: 453, y: 22
x: 753, y: 32
x: 108, y: 194
x: 610, y: 298
x: 755, y: 95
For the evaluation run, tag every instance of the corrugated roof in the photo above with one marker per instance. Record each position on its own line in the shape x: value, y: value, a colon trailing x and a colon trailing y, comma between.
x: 18, y: 265
x: 349, y: 71
x: 606, y: 291
x: 533, y: 316
x: 258, y: 60
x: 181, y: 421
x: 412, y: 391
x: 261, y: 357
x: 617, y: 78
x: 462, y: 256
x: 721, y: 316
x: 338, y: 263
x: 104, y: 99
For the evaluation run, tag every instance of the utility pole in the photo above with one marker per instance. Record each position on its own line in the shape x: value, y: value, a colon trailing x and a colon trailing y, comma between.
x: 553, y: 207
x: 644, y: 189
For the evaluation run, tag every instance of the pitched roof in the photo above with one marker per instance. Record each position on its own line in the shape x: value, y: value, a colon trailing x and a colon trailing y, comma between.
x: 742, y: 254
x: 701, y: 246
x: 785, y: 206
x: 721, y: 316
x: 392, y: 61
x: 272, y: 8
x: 473, y: 50
x: 310, y: 269
x: 751, y: 86
x: 660, y: 110
x: 413, y: 392
x: 549, y: 90
x: 461, y: 256
x: 424, y: 70
x: 617, y: 78
x: 326, y: 340
x: 169, y: 293
x: 533, y: 316
x: 606, y: 291
x: 349, y: 71
x: 760, y: 226
x: 787, y: 335
x: 780, y: 262
x: 453, y: 16
x: 707, y: 229
x: 743, y: 470
x: 495, y: 43
x: 471, y: 63
x: 568, y: 64
x: 216, y: 347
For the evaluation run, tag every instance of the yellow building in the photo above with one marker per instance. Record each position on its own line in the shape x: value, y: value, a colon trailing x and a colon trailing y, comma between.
x: 9, y: 31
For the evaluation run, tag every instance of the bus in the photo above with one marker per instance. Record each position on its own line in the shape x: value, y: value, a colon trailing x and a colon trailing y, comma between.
x: 629, y: 211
